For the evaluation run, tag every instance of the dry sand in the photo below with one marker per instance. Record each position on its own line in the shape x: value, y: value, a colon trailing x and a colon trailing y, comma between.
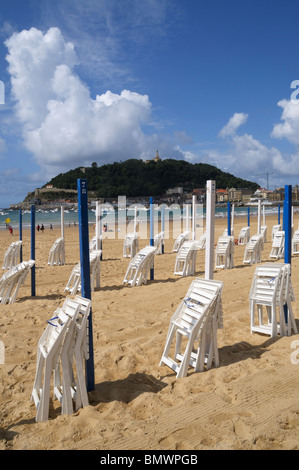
x: 250, y: 401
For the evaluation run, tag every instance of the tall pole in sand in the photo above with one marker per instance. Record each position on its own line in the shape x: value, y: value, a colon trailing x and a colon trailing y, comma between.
x: 248, y: 216
x: 20, y: 234
x: 62, y: 222
x: 33, y: 250
x: 210, y: 228
x: 287, y: 220
x: 228, y: 219
x: 85, y: 272
x: 193, y: 217
x: 152, y: 241
x: 163, y: 226
x: 259, y: 230
x: 98, y: 227
x: 278, y: 214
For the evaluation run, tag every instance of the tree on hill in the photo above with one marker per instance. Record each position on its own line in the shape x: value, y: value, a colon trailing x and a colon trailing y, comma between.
x: 135, y: 178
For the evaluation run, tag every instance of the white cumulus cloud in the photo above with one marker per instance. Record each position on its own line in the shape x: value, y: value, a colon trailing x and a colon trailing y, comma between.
x: 233, y: 124
x: 63, y: 126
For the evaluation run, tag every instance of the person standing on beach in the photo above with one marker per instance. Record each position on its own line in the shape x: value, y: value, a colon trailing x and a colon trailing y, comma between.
x: 42, y: 228
x: 10, y: 230
x: 37, y: 228
x: 51, y: 227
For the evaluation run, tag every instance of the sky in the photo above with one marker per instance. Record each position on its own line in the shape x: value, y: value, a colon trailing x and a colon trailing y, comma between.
x: 85, y: 81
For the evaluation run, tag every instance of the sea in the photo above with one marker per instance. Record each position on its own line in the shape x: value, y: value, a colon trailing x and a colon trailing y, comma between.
x: 53, y: 216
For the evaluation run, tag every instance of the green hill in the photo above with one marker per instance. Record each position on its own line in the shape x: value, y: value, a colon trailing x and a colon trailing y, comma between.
x: 135, y: 178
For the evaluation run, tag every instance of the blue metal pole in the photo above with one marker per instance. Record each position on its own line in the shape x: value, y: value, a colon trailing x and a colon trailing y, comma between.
x: 248, y: 216
x: 163, y: 225
x: 85, y: 272
x: 33, y: 250
x: 287, y: 217
x: 20, y: 234
x: 228, y: 220
x: 152, y: 242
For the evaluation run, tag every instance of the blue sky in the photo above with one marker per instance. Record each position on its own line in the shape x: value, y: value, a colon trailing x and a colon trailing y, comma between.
x: 106, y: 80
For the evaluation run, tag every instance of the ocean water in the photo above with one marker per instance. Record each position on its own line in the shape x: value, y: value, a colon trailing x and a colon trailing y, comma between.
x: 53, y: 216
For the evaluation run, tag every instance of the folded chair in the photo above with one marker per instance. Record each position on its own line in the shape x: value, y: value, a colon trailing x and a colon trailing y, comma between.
x: 159, y: 242
x: 180, y: 240
x: 201, y: 244
x: 57, y: 253
x: 69, y: 377
x: 295, y: 243
x: 193, y: 328
x: 275, y: 228
x: 186, y: 259
x: 253, y: 250
x: 12, y: 255
x: 61, y: 352
x: 12, y: 280
x: 267, y: 290
x: 277, y: 250
x: 224, y: 253
x: 74, y: 282
x: 139, y: 267
x: 244, y: 236
x: 130, y: 246
x: 264, y: 232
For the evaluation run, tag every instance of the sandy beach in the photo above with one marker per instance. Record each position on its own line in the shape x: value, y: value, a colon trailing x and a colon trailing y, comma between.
x: 250, y: 401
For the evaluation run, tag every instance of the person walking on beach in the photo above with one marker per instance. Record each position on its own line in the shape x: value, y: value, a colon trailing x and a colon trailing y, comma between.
x: 10, y: 230
x: 42, y: 228
x: 51, y: 227
x: 37, y: 228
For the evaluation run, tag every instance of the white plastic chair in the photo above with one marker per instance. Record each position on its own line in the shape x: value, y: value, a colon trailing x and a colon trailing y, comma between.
x: 57, y: 253
x: 195, y: 323
x: 264, y: 232
x: 253, y: 250
x: 186, y: 259
x: 139, y: 267
x: 201, y: 243
x: 295, y: 243
x: 12, y: 255
x: 74, y: 282
x: 159, y: 242
x: 244, y: 236
x: 131, y: 245
x: 275, y: 228
x: 224, y: 253
x: 277, y: 250
x: 62, y: 346
x: 267, y: 291
x: 12, y: 280
x: 180, y: 240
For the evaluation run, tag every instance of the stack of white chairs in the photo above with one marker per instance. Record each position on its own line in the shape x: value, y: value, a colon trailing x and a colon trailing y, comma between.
x: 295, y: 243
x: 131, y: 245
x: 12, y: 255
x: 271, y: 288
x: 275, y: 228
x: 201, y: 244
x: 57, y: 253
x: 193, y: 329
x: 180, y: 240
x: 93, y: 243
x: 61, y: 353
x: 12, y: 280
x: 159, y: 242
x: 186, y: 259
x: 139, y: 267
x: 244, y: 236
x: 264, y: 232
x: 277, y: 251
x: 74, y: 282
x: 253, y: 250
x: 224, y: 253
x: 225, y: 233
